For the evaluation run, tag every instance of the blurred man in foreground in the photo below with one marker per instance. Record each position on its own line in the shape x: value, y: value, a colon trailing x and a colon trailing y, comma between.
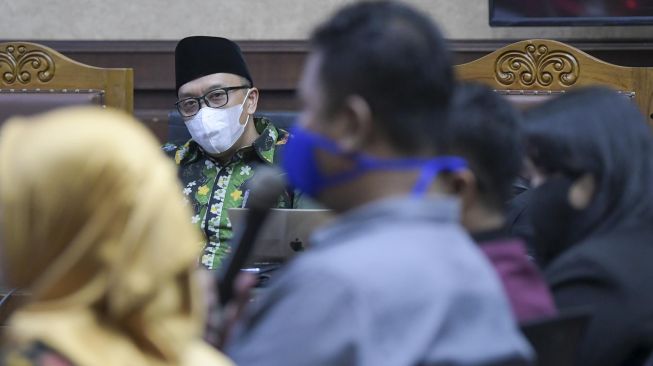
x: 394, y: 280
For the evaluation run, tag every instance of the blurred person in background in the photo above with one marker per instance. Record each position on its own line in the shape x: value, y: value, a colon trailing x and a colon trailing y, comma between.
x: 591, y: 156
x: 485, y: 130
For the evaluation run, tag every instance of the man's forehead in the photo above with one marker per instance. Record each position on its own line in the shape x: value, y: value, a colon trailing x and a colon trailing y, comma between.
x: 205, y: 83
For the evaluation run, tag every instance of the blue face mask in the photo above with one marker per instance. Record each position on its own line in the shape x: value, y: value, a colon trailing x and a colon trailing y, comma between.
x: 304, y: 174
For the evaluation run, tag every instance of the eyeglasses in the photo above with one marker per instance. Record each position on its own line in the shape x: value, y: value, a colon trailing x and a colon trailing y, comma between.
x: 215, y: 98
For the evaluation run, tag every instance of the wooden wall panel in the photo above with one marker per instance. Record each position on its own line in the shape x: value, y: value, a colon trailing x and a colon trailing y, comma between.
x: 275, y: 67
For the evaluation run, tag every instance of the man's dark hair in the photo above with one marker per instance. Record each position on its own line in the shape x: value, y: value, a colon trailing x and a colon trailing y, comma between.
x: 484, y: 129
x: 396, y: 59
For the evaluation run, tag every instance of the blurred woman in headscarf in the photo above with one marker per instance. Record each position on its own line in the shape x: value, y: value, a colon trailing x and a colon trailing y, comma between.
x: 591, y: 153
x: 95, y: 229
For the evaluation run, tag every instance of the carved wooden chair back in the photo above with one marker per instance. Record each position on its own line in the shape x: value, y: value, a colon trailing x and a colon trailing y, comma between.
x: 34, y: 78
x: 531, y: 71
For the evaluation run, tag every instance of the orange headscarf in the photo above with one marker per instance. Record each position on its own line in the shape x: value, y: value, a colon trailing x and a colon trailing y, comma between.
x: 94, y: 227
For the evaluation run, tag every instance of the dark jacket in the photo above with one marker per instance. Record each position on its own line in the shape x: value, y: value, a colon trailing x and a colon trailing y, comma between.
x: 612, y: 277
x: 518, y: 219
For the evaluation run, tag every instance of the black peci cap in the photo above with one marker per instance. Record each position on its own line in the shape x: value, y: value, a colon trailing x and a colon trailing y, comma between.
x: 199, y: 56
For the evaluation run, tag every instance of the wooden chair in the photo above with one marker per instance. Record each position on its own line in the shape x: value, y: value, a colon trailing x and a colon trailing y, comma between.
x: 531, y: 71
x: 35, y: 78
x: 556, y: 340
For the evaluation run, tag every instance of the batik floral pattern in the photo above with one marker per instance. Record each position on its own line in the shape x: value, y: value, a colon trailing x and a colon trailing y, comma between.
x: 213, y: 188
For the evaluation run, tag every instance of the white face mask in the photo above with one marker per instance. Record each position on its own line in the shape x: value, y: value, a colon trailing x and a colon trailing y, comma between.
x: 216, y: 130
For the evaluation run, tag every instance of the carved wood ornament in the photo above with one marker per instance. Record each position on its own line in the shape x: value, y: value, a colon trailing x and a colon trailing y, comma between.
x: 536, y: 65
x: 17, y: 63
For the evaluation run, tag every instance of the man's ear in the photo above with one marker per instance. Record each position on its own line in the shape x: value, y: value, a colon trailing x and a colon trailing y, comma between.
x: 252, y: 101
x: 358, y: 125
x: 461, y: 183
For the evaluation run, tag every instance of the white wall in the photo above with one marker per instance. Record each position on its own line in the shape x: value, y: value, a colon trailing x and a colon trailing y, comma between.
x: 245, y: 20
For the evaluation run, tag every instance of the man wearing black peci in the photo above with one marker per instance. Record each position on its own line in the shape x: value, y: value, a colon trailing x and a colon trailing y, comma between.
x: 217, y: 100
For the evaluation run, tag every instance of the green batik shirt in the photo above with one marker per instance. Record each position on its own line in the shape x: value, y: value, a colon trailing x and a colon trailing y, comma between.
x: 213, y: 188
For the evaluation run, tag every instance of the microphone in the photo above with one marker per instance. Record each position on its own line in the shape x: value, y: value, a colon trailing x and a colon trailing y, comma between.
x: 264, y: 190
